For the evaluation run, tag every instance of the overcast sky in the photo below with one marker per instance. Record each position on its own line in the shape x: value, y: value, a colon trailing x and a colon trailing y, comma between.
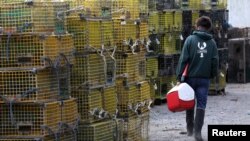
x: 239, y: 13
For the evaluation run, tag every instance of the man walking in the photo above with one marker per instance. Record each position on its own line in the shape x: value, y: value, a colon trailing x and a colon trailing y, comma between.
x: 200, y: 53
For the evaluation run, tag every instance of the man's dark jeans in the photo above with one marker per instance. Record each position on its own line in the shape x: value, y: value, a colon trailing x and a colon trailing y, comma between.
x: 201, y: 87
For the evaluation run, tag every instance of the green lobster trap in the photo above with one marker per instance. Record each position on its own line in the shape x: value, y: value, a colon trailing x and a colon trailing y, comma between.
x: 23, y: 50
x: 33, y: 17
x: 29, y: 119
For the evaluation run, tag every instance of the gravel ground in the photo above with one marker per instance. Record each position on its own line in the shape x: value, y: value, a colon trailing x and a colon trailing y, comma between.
x: 232, y: 108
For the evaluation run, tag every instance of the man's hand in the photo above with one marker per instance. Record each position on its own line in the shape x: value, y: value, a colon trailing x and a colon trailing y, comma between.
x: 178, y: 83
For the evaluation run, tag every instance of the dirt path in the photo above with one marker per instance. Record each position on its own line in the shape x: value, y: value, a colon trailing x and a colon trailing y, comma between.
x: 233, y: 108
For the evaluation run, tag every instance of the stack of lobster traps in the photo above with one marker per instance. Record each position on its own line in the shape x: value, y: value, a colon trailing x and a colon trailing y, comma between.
x: 131, y: 31
x: 36, y: 60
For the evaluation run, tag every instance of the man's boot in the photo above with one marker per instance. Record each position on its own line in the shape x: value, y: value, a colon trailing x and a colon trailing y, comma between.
x: 190, y: 121
x: 198, y: 123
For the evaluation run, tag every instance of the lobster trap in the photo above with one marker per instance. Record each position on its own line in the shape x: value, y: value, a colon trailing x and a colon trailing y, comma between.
x: 153, y: 88
x: 177, y: 20
x: 29, y: 119
x: 90, y: 33
x: 133, y: 99
x: 219, y: 4
x: 126, y: 9
x: 33, y: 17
x: 28, y: 84
x: 128, y: 65
x: 166, y: 65
x: 196, y: 4
x: 69, y: 113
x: 153, y: 22
x: 89, y: 70
x: 218, y: 83
x: 110, y: 66
x: 195, y: 16
x: 136, y: 128
x: 63, y: 134
x: 167, y: 44
x: 104, y: 130
x: 110, y: 100
x: 152, y: 66
x: 164, y: 84
x: 98, y: 8
x: 144, y: 91
x: 126, y: 35
x: 90, y: 104
x: 155, y: 44
x: 166, y: 21
x: 143, y: 30
x: 23, y: 50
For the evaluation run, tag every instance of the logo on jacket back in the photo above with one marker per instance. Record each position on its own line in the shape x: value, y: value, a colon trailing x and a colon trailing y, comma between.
x: 202, y: 49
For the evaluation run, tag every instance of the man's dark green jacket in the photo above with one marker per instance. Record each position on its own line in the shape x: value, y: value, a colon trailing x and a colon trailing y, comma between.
x: 200, y: 52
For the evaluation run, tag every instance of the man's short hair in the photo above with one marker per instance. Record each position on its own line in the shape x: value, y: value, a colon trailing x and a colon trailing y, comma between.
x: 204, y: 22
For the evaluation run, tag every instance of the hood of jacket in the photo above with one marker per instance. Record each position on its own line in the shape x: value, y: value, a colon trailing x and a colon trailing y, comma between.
x: 203, y: 35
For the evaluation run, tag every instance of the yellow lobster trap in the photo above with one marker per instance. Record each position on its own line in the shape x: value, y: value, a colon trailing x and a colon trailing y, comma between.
x: 28, y: 84
x: 69, y: 114
x: 136, y: 128
x: 125, y: 9
x: 196, y: 4
x: 126, y: 35
x: 129, y: 66
x: 105, y: 130
x: 110, y: 100
x: 23, y: 50
x: 151, y: 66
x: 90, y: 33
x: 33, y: 17
x: 98, y: 8
x: 177, y: 20
x: 132, y: 99
x: 30, y: 119
x: 222, y: 4
x: 166, y: 21
x: 167, y: 44
x: 195, y: 16
x: 153, y: 21
x: 164, y: 84
x: 90, y: 104
x: 143, y: 30
x: 63, y: 134
x: 89, y: 70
